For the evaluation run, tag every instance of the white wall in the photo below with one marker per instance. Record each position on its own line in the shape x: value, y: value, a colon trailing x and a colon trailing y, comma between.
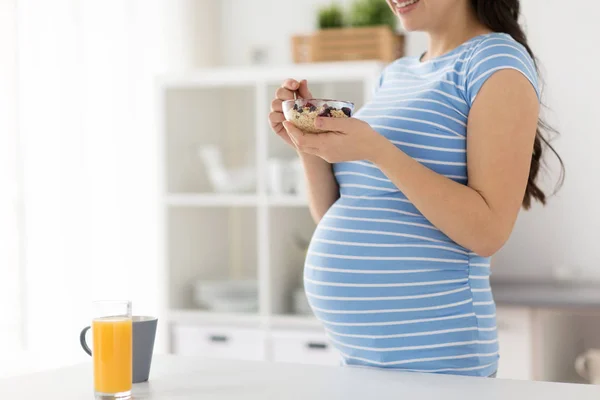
x: 243, y: 29
x: 88, y: 167
x: 565, y: 233
x: 565, y: 38
x: 10, y: 304
x: 87, y: 125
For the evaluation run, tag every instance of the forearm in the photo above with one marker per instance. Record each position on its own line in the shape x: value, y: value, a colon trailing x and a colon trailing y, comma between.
x: 322, y: 187
x: 457, y: 210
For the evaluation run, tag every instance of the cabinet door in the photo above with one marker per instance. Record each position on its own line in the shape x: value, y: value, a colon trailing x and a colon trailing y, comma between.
x: 514, y: 326
x: 219, y: 342
x: 303, y: 348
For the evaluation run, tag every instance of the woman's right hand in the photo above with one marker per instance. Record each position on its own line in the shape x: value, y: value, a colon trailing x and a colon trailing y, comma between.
x: 322, y: 187
x: 286, y: 92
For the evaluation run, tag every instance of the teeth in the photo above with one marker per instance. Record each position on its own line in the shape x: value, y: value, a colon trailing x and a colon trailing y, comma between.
x: 401, y: 4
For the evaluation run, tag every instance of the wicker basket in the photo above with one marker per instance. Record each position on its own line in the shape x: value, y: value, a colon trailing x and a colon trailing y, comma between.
x: 345, y: 44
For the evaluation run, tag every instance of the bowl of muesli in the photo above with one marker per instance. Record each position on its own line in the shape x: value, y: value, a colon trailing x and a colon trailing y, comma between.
x: 303, y: 112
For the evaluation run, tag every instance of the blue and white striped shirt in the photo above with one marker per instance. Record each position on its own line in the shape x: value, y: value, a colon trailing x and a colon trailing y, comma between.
x: 392, y: 290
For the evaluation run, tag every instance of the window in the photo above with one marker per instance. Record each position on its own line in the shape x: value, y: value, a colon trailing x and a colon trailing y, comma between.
x: 10, y: 246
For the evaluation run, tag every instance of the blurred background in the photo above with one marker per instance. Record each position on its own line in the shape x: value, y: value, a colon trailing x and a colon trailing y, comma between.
x: 136, y: 162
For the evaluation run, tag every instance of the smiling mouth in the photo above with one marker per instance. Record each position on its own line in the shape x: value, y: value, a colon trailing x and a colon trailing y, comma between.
x: 403, y: 6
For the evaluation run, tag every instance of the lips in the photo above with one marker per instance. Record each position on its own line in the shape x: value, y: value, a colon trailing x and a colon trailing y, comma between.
x: 404, y: 5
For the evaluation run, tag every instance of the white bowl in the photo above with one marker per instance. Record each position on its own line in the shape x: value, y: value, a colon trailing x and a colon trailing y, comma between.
x: 235, y: 305
x: 227, y: 295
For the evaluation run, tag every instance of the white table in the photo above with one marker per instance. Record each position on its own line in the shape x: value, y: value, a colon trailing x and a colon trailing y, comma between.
x: 187, y: 378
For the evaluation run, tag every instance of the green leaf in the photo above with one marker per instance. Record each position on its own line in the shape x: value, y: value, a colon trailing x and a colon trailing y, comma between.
x: 331, y: 16
x: 372, y: 13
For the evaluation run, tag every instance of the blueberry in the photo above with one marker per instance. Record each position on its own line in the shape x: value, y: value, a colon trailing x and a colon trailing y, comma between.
x: 325, y: 113
x: 300, y: 110
x: 347, y: 111
x: 296, y: 107
x: 312, y: 108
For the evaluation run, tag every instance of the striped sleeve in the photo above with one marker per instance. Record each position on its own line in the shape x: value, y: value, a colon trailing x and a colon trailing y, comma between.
x: 379, y: 82
x: 494, y: 55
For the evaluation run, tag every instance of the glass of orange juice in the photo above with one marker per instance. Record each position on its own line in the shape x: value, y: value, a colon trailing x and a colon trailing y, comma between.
x: 112, y: 349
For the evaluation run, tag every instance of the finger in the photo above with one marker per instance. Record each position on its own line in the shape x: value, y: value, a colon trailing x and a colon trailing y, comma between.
x: 276, y: 118
x: 292, y: 131
x: 342, y: 125
x: 284, y: 94
x: 300, y: 138
x: 303, y: 90
x: 277, y: 127
x: 304, y: 149
x: 291, y: 138
x: 284, y: 135
x: 290, y: 84
x: 277, y: 105
x: 310, y: 150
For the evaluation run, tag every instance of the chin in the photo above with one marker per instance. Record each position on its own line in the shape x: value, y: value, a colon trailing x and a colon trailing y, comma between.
x: 410, y: 25
x: 410, y: 13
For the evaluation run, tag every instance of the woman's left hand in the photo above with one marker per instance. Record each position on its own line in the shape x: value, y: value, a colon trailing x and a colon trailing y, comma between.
x: 345, y: 139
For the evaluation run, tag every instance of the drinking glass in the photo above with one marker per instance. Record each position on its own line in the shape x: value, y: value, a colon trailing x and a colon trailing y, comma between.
x: 112, y: 349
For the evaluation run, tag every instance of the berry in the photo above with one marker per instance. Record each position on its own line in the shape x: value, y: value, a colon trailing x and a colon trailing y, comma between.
x: 312, y: 108
x: 347, y: 111
x: 326, y: 112
x: 296, y: 107
x: 308, y: 105
x: 300, y: 110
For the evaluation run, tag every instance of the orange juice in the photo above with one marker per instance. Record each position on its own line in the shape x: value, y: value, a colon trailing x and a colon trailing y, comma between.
x: 112, y: 354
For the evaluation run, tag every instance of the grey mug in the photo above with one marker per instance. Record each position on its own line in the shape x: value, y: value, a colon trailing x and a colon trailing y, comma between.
x: 144, y: 332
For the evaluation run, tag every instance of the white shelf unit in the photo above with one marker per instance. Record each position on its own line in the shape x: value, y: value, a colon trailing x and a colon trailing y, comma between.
x: 255, y: 234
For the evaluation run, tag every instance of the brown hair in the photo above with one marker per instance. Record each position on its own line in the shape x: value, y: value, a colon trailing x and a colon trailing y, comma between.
x: 503, y: 16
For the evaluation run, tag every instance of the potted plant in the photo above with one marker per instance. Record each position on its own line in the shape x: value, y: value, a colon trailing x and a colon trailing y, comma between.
x: 370, y: 34
x: 372, y: 13
x: 331, y: 16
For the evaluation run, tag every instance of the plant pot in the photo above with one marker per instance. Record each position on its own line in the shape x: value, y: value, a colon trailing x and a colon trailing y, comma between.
x: 348, y: 44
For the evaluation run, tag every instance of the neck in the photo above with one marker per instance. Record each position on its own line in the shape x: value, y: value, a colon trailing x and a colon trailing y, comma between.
x: 456, y: 29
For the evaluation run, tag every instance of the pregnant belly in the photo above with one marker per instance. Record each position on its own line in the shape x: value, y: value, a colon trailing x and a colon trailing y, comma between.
x: 391, y: 289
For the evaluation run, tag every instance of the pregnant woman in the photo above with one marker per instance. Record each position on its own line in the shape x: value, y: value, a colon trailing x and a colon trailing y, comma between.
x: 417, y: 191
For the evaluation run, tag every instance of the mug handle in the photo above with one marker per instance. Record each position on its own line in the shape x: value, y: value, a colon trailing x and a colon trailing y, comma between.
x: 84, y: 345
x: 581, y: 366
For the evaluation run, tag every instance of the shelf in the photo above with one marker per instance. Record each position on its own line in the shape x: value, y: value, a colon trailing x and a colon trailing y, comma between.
x: 259, y: 232
x: 295, y: 321
x: 191, y: 316
x: 327, y: 72
x: 232, y: 200
x: 211, y: 200
x: 288, y: 201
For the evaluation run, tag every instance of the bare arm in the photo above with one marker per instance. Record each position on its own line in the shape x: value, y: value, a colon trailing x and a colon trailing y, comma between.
x: 322, y: 187
x: 501, y: 130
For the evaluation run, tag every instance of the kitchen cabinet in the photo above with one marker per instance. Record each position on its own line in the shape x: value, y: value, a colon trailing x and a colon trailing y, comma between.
x: 302, y: 347
x: 219, y: 342
x: 514, y: 326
